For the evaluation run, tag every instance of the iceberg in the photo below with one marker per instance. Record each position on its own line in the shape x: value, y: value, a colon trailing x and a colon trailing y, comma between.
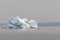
x: 24, y: 23
x: 18, y: 23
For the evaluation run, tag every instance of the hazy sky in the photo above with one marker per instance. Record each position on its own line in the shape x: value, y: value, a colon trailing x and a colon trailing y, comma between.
x: 40, y: 10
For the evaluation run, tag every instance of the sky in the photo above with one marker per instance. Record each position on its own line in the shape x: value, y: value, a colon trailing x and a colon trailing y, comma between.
x: 39, y: 10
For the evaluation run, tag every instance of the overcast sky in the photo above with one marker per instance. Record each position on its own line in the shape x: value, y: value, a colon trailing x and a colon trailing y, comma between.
x: 40, y: 10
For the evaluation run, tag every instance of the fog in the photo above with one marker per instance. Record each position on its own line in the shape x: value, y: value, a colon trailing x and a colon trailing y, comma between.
x: 40, y: 10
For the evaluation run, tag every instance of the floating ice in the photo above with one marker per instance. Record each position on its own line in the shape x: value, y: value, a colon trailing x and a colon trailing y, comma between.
x: 18, y: 23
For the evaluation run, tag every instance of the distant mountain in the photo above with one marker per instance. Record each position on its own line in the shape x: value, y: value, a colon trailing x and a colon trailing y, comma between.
x: 49, y: 24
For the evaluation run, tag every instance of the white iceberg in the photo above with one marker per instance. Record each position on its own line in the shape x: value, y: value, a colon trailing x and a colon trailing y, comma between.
x: 24, y: 23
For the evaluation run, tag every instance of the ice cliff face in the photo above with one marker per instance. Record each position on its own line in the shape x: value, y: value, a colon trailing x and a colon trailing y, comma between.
x: 18, y: 23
